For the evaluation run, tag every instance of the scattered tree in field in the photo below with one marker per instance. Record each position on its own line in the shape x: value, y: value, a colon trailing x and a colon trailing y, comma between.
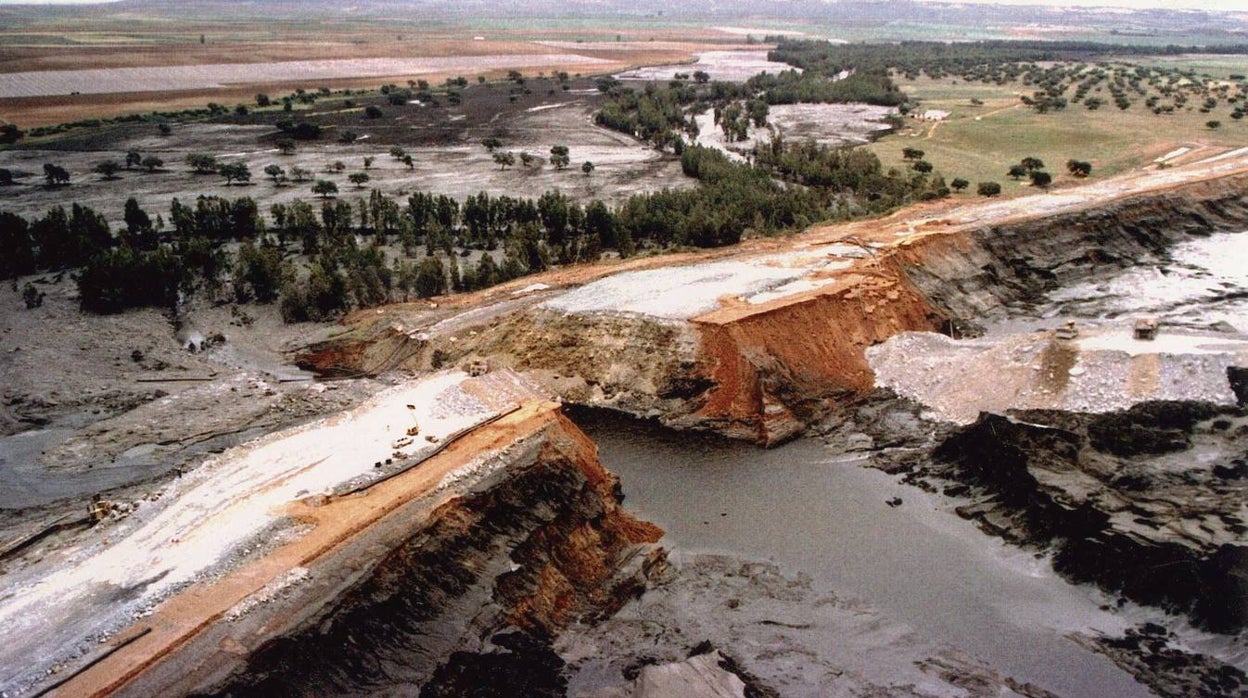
x: 959, y: 184
x: 235, y: 172
x: 108, y: 169
x: 912, y: 153
x: 922, y: 166
x: 1040, y: 178
x: 55, y: 175
x: 527, y: 159
x: 1213, y: 124
x: 407, y: 160
x: 359, y: 179
x: 299, y: 174
x: 1017, y: 172
x: 373, y: 111
x: 164, y: 129
x: 504, y: 159
x: 202, y: 163
x: 153, y: 163
x: 1032, y: 164
x: 324, y: 188
x: 988, y: 189
x: 242, y: 110
x: 348, y: 136
x: 133, y: 159
x: 397, y: 153
x: 368, y: 162
x: 275, y: 173
x: 559, y: 156
x: 491, y: 143
x: 1079, y: 168
x: 286, y: 146
x: 587, y: 167
x: 10, y: 133
x: 336, y: 166
x: 701, y: 77
x: 262, y: 100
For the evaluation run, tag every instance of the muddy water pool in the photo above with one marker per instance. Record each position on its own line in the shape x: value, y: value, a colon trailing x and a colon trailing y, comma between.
x: 815, y: 512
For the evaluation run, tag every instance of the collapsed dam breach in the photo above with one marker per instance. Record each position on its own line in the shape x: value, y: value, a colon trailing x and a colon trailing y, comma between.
x: 758, y: 344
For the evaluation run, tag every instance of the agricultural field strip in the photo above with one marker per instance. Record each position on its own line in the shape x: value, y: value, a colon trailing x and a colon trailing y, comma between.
x: 183, y: 77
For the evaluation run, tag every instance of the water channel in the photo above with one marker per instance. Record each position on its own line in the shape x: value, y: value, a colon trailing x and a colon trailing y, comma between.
x: 816, y: 512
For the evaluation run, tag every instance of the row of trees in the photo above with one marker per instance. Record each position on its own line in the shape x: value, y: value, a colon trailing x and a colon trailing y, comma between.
x: 1059, y: 73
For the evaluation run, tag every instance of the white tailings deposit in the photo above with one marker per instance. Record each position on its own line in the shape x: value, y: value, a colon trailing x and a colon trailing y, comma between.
x: 826, y: 124
x: 728, y: 66
x: 212, y: 518
x: 196, y: 77
x: 676, y: 293
x: 1104, y: 370
x: 681, y: 293
x: 1201, y: 286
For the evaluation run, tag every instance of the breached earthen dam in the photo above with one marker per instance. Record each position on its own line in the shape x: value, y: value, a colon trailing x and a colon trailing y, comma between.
x: 454, y: 509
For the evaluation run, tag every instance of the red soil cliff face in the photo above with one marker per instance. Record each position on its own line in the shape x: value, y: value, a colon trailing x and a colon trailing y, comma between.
x: 572, y: 565
x: 780, y: 366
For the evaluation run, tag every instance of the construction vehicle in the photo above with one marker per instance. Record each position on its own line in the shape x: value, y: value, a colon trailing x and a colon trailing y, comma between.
x: 1146, y: 329
x: 1067, y: 331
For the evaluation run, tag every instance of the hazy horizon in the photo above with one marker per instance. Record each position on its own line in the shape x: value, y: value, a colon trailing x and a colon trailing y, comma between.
x: 1211, y: 5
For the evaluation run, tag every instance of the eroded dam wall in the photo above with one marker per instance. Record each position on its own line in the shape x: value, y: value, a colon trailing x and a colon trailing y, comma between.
x: 763, y: 367
x: 522, y: 530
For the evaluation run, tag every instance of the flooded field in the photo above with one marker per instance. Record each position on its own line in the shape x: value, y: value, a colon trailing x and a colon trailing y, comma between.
x: 730, y: 66
x: 831, y: 125
x: 447, y: 157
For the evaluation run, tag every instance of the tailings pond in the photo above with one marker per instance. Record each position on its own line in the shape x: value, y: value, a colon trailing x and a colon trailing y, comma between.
x: 815, y: 512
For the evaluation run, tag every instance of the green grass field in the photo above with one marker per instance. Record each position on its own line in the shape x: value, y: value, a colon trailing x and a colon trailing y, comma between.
x: 980, y: 142
x: 1220, y: 67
